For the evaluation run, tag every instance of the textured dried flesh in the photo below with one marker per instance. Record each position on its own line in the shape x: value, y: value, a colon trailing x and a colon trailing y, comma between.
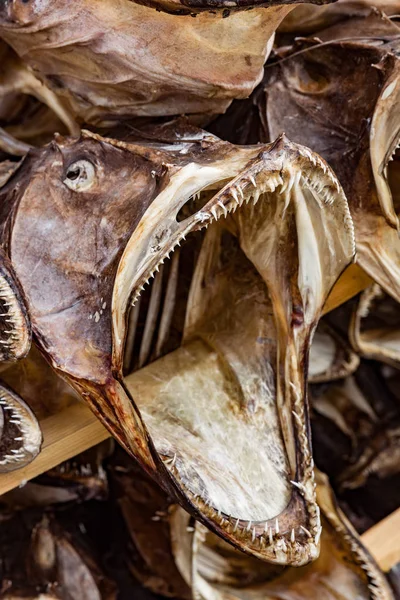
x: 108, y: 62
x: 344, y: 570
x: 20, y: 434
x: 33, y: 379
x: 231, y: 431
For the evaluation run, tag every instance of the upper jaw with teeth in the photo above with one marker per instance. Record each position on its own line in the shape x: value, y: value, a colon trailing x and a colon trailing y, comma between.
x: 359, y: 139
x: 258, y: 214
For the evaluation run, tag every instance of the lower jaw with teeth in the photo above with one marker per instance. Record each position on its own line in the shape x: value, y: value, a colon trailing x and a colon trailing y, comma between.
x: 209, y: 385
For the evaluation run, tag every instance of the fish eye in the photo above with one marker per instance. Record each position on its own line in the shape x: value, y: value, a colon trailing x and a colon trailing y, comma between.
x: 80, y: 176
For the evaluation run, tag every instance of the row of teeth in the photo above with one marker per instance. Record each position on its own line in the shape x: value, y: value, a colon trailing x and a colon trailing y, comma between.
x: 16, y: 419
x: 236, y: 199
x: 268, y: 536
x: 325, y: 191
x: 391, y: 157
x: 374, y: 577
x: 15, y: 317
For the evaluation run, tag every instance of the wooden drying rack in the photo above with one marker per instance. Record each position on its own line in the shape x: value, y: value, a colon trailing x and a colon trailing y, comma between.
x: 76, y: 429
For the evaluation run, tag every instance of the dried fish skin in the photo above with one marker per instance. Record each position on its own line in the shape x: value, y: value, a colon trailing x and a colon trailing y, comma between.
x: 117, y: 65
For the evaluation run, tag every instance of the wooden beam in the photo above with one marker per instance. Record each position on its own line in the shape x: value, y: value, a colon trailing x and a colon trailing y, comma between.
x: 65, y: 434
x: 353, y: 281
x: 383, y: 541
x: 76, y: 429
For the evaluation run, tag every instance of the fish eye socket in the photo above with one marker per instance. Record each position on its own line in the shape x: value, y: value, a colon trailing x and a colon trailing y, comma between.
x: 80, y: 176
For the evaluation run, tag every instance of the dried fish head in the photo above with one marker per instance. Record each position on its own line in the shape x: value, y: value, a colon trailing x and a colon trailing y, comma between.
x: 346, y: 86
x: 113, y: 60
x: 202, y: 377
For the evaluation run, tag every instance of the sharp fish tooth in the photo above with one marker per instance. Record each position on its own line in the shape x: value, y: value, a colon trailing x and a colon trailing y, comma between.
x: 318, y: 535
x: 292, y: 537
x: 222, y: 205
x: 151, y: 319
x: 253, y: 181
x: 169, y: 304
x: 276, y: 526
x: 308, y: 534
x: 235, y: 196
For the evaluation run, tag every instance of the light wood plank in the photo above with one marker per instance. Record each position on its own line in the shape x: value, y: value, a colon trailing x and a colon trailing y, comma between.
x: 353, y: 281
x: 383, y: 541
x: 65, y: 434
x: 76, y: 429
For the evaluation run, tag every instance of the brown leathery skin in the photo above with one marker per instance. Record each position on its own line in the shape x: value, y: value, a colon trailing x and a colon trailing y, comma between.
x: 87, y: 221
x: 145, y: 510
x: 107, y: 61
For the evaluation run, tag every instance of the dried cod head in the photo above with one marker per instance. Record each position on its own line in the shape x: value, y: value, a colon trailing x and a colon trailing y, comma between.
x: 344, y: 570
x: 89, y: 223
x: 347, y: 89
x: 375, y: 326
x: 114, y: 59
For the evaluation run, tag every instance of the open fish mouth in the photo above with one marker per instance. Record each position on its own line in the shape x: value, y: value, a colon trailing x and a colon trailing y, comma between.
x: 216, y: 297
